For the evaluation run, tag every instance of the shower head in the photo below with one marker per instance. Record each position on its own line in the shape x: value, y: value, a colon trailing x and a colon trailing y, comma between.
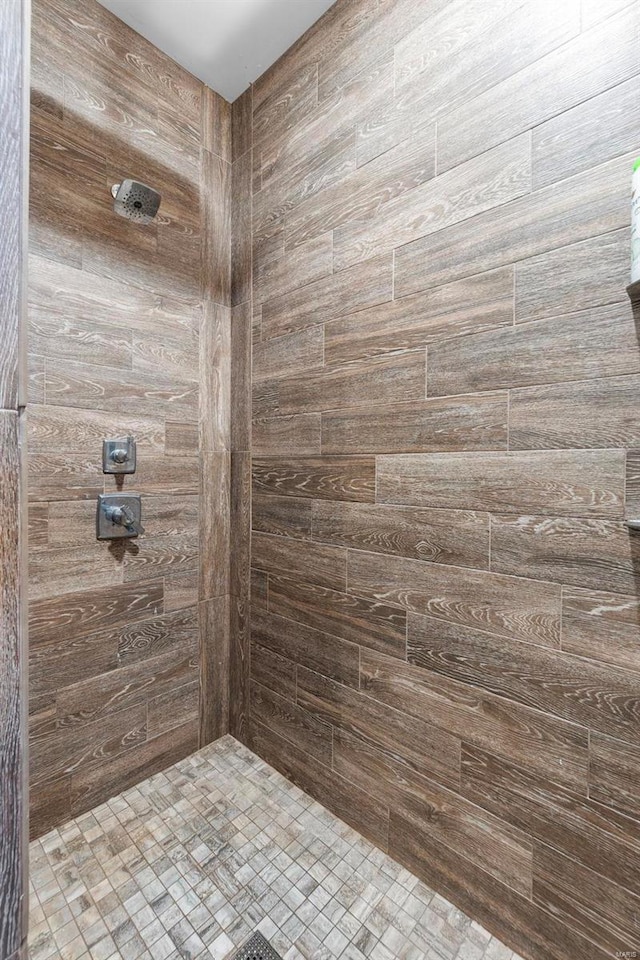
x: 135, y: 201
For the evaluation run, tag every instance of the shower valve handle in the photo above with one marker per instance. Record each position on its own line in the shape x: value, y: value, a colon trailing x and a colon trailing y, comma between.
x: 124, y: 517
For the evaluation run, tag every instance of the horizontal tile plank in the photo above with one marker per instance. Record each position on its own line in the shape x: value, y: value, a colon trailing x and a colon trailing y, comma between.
x: 68, y: 569
x: 272, y: 670
x: 168, y: 354
x: 323, y: 478
x: 89, y: 746
x: 57, y: 660
x: 496, y: 177
x: 600, y: 839
x: 578, y: 70
x: 323, y: 565
x: 74, y: 520
x: 55, y: 334
x: 370, y: 623
x: 471, y: 305
x: 75, y: 614
x: 150, y: 394
x: 613, y: 776
x: 284, y: 516
x: 544, y: 745
x: 366, y: 192
x: 105, y: 300
x: 479, y: 835
x: 324, y: 132
x: 459, y: 537
x: 580, y: 413
x: 163, y: 556
x: 451, y: 423
x: 361, y: 286
x: 351, y: 804
x: 292, y: 172
x: 601, y: 626
x: 139, y: 682
x: 370, y: 31
x: 276, y: 114
x: 162, y: 476
x: 581, y: 552
x: 587, y: 205
x: 61, y: 477
x: 298, y: 434
x: 512, y: 917
x: 507, y: 606
x: 422, y: 746
x: 292, y: 723
x: 359, y: 383
x: 604, y: 122
x: 181, y: 439
x: 590, y: 483
x: 586, y: 274
x: 329, y: 655
x: 465, y: 49
x: 578, y: 690
x: 288, y: 355
x: 168, y: 633
x: 570, y: 891
x: 307, y: 263
x: 599, y: 342
x: 59, y: 430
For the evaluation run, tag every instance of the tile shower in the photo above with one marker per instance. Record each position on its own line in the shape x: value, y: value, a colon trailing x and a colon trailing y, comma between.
x: 368, y: 684
x: 191, y: 862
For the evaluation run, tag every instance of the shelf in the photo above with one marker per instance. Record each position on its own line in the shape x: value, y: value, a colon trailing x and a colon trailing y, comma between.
x: 634, y: 292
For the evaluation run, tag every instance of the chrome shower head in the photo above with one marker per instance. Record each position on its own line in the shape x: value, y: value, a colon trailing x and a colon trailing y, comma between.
x: 135, y: 201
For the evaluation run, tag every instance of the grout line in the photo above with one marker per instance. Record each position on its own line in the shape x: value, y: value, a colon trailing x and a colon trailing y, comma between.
x: 393, y: 274
x: 426, y: 373
x: 406, y: 636
x: 435, y: 149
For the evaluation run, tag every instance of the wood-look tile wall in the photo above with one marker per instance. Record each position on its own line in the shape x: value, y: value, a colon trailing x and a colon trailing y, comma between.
x: 241, y: 329
x: 129, y: 333
x: 14, y: 55
x: 445, y: 642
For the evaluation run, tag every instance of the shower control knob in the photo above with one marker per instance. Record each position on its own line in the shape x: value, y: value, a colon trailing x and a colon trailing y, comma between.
x: 119, y: 456
x: 118, y: 515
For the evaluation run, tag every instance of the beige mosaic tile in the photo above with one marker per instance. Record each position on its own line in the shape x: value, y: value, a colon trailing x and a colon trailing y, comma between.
x: 188, y: 864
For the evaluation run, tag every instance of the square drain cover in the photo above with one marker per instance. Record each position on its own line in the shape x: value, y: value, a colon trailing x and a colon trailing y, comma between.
x: 256, y: 948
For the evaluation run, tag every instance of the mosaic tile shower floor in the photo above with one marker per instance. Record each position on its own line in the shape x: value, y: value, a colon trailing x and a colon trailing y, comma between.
x: 191, y: 862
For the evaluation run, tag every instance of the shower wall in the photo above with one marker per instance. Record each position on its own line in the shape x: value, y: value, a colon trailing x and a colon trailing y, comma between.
x: 445, y: 643
x: 129, y: 333
x: 14, y: 48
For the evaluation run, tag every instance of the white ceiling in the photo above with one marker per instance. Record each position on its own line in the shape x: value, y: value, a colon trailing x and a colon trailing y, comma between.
x: 226, y: 43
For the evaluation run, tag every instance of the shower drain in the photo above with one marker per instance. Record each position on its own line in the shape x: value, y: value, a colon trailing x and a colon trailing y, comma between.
x: 256, y: 948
